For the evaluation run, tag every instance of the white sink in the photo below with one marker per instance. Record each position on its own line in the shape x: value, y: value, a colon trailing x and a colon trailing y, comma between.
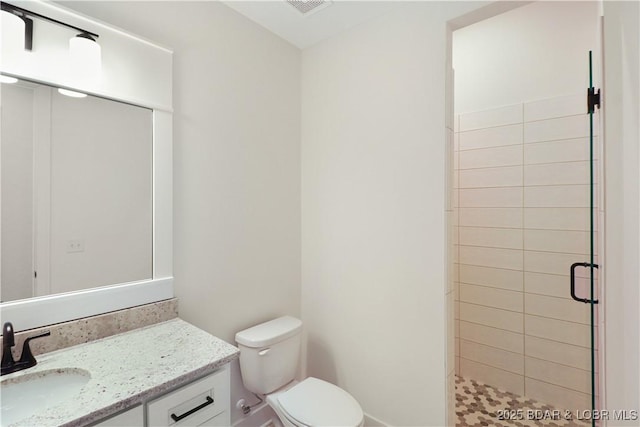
x: 26, y: 395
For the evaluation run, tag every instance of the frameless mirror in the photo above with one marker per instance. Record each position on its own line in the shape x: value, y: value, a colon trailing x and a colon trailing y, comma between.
x: 76, y: 192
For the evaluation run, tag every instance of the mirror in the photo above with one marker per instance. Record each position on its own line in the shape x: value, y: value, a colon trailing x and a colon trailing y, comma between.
x: 76, y: 192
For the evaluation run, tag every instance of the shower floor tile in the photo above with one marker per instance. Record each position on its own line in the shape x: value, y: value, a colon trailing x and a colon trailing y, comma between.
x: 479, y: 404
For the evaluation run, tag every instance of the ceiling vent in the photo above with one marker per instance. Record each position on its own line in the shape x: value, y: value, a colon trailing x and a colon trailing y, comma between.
x: 308, y: 7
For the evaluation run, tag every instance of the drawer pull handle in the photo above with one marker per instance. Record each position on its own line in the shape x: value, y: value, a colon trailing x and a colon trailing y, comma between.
x: 177, y: 418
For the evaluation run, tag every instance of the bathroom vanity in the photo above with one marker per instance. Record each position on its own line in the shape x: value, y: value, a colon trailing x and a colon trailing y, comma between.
x: 170, y: 373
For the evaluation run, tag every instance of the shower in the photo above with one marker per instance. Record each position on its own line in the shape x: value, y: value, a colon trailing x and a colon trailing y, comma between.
x: 526, y: 207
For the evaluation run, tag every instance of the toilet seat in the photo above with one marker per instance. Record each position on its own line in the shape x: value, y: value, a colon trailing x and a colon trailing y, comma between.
x: 313, y: 402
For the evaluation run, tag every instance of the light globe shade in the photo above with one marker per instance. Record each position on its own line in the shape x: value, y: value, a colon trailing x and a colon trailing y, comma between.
x: 72, y: 93
x: 7, y: 79
x: 86, y: 58
x: 13, y: 29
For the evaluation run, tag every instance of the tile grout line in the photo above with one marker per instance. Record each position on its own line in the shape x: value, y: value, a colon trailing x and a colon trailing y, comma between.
x: 475, y: 304
x: 521, y: 121
x: 524, y: 375
x: 578, y: 346
x: 534, y: 336
x: 505, y: 166
x: 456, y: 331
x: 524, y: 330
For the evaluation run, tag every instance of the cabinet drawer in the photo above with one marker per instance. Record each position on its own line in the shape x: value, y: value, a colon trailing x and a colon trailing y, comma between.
x: 193, y: 404
x: 220, y: 420
x: 130, y: 418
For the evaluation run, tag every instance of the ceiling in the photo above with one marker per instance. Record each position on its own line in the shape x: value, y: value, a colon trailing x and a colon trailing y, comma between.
x: 306, y: 30
x: 281, y: 18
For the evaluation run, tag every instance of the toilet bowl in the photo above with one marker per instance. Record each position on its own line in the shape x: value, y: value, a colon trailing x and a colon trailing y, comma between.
x: 269, y: 355
x: 314, y: 402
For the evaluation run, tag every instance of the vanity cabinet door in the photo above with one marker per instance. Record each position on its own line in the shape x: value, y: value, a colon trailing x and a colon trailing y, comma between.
x: 130, y: 418
x: 204, y: 402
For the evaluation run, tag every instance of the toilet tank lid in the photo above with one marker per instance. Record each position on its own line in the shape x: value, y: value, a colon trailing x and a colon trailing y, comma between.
x: 270, y: 332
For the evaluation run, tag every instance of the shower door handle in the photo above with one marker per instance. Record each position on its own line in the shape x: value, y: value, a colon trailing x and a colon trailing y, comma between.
x: 573, y: 281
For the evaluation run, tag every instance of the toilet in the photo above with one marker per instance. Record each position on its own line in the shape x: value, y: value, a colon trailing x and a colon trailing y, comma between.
x: 269, y: 354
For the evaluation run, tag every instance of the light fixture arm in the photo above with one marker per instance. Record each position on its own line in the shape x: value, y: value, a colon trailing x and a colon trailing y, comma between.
x: 24, y: 14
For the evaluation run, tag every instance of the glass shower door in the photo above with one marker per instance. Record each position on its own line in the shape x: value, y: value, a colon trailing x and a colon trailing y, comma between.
x: 589, y: 294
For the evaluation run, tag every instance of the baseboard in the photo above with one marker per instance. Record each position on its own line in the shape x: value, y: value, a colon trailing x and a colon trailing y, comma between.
x: 263, y: 416
x: 370, y: 421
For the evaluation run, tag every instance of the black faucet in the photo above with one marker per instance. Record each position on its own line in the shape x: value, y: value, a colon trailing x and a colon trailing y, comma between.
x: 26, y: 358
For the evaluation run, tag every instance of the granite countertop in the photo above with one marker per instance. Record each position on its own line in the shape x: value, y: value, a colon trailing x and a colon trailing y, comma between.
x: 128, y: 369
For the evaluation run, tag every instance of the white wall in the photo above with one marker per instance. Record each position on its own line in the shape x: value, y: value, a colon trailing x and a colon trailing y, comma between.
x: 537, y: 51
x: 622, y: 205
x: 373, y: 212
x: 236, y: 160
x: 237, y: 183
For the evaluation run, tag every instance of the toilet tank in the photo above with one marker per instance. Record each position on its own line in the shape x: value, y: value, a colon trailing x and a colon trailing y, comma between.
x: 269, y: 354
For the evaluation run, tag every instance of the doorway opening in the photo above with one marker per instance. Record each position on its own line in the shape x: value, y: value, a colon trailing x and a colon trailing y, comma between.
x: 525, y: 209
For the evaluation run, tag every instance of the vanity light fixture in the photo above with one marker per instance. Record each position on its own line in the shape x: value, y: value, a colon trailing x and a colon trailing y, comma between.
x: 85, y: 55
x: 84, y: 50
x: 71, y: 93
x: 14, y: 29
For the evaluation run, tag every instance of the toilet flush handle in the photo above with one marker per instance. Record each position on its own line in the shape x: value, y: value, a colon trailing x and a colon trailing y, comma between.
x: 264, y: 351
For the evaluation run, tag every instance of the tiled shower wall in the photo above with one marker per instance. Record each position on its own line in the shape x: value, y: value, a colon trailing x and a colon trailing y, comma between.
x: 521, y: 199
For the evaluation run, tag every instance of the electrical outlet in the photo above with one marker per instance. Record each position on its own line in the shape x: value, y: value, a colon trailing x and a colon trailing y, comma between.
x: 75, y: 246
